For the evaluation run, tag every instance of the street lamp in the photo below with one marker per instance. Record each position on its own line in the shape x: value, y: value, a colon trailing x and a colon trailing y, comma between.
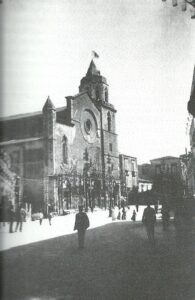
x: 110, y: 184
x: 86, y: 176
x: 126, y: 175
x: 17, y: 190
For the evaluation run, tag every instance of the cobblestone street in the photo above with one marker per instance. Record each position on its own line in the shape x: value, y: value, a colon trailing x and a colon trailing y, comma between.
x: 117, y: 263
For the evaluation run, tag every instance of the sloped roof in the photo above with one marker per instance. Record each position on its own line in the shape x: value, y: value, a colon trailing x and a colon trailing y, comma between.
x: 165, y: 157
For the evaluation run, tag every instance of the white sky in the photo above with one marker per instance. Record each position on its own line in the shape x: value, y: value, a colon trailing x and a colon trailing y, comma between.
x: 146, y: 49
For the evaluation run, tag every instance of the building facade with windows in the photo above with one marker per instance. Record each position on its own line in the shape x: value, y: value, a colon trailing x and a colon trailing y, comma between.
x: 166, y: 165
x: 61, y: 152
x: 128, y: 173
x: 8, y: 183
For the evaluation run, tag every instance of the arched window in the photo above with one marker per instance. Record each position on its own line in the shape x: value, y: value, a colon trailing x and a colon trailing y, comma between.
x: 65, y: 150
x: 106, y: 95
x: 109, y: 121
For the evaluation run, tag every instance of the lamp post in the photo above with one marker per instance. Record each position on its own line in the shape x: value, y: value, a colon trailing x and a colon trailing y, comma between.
x: 17, y: 190
x: 86, y: 176
x: 126, y: 175
x: 109, y: 184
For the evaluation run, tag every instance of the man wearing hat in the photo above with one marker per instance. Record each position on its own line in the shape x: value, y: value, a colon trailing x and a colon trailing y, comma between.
x: 149, y: 219
x: 81, y: 224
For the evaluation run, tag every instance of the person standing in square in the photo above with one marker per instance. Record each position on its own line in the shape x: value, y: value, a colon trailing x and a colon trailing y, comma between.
x: 81, y: 225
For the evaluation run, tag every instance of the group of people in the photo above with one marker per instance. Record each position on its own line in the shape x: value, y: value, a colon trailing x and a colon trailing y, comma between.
x: 49, y: 215
x: 182, y: 220
x: 123, y: 213
x: 18, y: 215
x: 148, y: 219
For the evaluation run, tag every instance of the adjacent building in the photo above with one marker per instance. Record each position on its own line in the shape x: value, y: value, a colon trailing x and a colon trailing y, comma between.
x: 9, y: 192
x: 169, y: 165
x: 128, y: 173
x: 191, y: 156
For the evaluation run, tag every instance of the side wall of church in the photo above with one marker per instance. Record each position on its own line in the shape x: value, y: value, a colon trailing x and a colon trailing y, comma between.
x: 27, y: 163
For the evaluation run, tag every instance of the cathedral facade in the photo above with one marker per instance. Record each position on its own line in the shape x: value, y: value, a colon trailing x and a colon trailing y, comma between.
x: 62, y: 153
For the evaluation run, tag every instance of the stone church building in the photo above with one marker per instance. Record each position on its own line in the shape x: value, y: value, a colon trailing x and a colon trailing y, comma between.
x: 59, y: 153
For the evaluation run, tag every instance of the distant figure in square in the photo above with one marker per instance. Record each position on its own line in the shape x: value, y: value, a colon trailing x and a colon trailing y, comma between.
x: 40, y: 217
x: 81, y: 225
x: 49, y: 215
x: 11, y: 216
x: 124, y: 213
x: 119, y: 217
x: 165, y: 217
x: 20, y: 215
x: 115, y: 212
x: 133, y: 218
x: 128, y: 213
x: 149, y: 219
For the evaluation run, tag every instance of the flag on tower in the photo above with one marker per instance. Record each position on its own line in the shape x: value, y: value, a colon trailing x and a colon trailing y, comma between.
x: 94, y: 54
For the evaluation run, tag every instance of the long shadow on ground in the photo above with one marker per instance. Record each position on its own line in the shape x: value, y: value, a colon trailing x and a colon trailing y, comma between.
x: 116, y: 264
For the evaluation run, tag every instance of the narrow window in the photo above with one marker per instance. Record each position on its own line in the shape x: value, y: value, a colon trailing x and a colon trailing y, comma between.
x: 106, y: 95
x: 65, y: 150
x: 109, y: 121
x: 110, y: 147
x: 158, y: 169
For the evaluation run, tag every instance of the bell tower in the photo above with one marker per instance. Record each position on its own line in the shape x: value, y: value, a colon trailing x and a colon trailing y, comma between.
x: 95, y: 84
x: 97, y: 87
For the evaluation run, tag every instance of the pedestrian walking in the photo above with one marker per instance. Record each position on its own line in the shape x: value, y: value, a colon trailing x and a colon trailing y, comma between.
x: 115, y: 212
x: 81, y: 225
x: 149, y: 219
x: 165, y: 217
x: 133, y: 218
x: 119, y: 213
x: 49, y: 215
x: 124, y: 213
x: 2, y: 211
x: 20, y: 216
x: 128, y: 213
x: 11, y: 216
x: 40, y: 217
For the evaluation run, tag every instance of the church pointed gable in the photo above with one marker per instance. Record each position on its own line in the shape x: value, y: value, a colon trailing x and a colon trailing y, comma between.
x: 48, y: 105
x: 92, y: 70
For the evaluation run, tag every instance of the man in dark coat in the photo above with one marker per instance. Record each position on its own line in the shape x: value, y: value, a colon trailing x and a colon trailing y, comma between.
x: 149, y: 219
x: 81, y: 225
x: 20, y: 216
x: 11, y: 215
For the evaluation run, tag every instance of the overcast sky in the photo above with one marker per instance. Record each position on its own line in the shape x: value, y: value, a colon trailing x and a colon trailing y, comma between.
x: 146, y: 49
